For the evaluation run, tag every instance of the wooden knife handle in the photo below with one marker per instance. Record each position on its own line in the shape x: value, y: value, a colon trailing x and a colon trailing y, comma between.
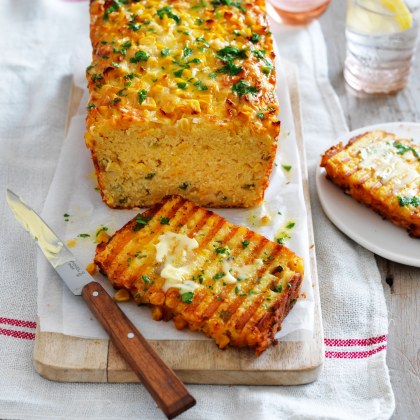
x: 160, y: 380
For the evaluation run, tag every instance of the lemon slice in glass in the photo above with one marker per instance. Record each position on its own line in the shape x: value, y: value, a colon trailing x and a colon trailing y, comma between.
x: 401, y: 12
x: 378, y: 16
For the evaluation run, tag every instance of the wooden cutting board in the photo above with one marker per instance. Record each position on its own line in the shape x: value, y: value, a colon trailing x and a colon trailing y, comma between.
x: 70, y: 359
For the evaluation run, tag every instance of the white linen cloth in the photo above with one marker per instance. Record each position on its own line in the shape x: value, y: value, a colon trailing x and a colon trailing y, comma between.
x: 36, y: 38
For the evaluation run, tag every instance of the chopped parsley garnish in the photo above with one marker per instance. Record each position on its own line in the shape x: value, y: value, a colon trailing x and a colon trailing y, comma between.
x: 403, y: 148
x: 231, y: 52
x: 102, y: 229
x: 97, y: 76
x: 278, y: 288
x: 245, y: 243
x: 259, y: 54
x: 111, y: 9
x: 260, y: 115
x: 268, y: 67
x: 409, y: 201
x: 201, y: 5
x: 165, y: 52
x: 236, y: 32
x: 139, y: 56
x: 199, y: 22
x: 201, y: 40
x: 178, y: 73
x: 141, y: 222
x: 182, y: 85
x: 66, y: 217
x: 243, y: 87
x: 90, y: 106
x: 212, y: 75
x: 104, y: 42
x: 219, y: 276
x: 126, y: 44
x: 237, y: 4
x: 129, y: 76
x: 255, y: 38
x: 200, y: 85
x: 134, y: 26
x: 122, y: 51
x: 146, y: 279
x: 280, y: 241
x: 167, y: 10
x: 290, y: 225
x: 186, y: 52
x: 115, y: 65
x: 286, y: 167
x: 83, y: 235
x: 221, y: 250
x: 165, y: 221
x: 187, y: 297
x: 230, y: 68
x: 142, y: 94
x: 122, y: 92
x: 252, y: 292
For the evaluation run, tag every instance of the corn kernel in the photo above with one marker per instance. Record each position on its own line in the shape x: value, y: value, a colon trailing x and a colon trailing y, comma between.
x: 157, y: 313
x: 91, y: 268
x: 122, y: 295
x: 102, y: 237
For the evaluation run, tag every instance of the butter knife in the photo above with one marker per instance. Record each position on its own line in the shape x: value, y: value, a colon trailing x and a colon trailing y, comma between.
x: 160, y: 380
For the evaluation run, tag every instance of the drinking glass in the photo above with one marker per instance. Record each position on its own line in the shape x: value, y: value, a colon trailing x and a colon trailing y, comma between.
x: 381, y: 41
x: 299, y: 12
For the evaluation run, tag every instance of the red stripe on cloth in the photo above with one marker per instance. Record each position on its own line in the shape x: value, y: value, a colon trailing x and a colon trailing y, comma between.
x: 17, y: 334
x: 18, y: 322
x: 337, y: 342
x: 353, y: 354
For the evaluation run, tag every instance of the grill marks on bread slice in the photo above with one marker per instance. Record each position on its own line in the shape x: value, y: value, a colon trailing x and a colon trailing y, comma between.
x: 380, y: 170
x: 246, y: 313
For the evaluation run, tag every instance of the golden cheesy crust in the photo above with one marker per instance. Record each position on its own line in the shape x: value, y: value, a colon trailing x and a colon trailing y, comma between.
x: 187, y: 79
x: 381, y: 171
x: 227, y: 281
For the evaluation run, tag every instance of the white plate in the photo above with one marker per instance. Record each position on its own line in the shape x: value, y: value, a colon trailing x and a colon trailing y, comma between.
x: 359, y: 222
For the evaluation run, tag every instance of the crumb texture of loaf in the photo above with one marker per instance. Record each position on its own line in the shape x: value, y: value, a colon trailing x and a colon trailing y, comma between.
x: 381, y: 171
x: 182, y: 101
x: 230, y: 283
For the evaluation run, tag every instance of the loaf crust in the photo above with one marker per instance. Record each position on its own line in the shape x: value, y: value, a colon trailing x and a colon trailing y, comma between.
x: 381, y: 171
x: 243, y: 284
x: 181, y: 101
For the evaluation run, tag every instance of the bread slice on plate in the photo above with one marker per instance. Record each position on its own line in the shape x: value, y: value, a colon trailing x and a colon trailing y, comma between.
x: 381, y: 171
x: 194, y: 267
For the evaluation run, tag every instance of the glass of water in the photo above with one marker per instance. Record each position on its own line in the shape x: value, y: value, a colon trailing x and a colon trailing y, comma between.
x: 381, y: 42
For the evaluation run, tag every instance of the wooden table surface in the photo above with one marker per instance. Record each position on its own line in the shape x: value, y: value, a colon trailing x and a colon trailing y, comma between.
x: 401, y: 283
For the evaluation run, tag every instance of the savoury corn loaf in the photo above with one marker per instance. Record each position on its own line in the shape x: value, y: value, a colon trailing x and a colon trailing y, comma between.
x: 382, y: 171
x: 181, y: 101
x: 194, y: 267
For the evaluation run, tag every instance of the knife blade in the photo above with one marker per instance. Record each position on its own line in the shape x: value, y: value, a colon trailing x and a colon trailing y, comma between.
x: 159, y: 379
